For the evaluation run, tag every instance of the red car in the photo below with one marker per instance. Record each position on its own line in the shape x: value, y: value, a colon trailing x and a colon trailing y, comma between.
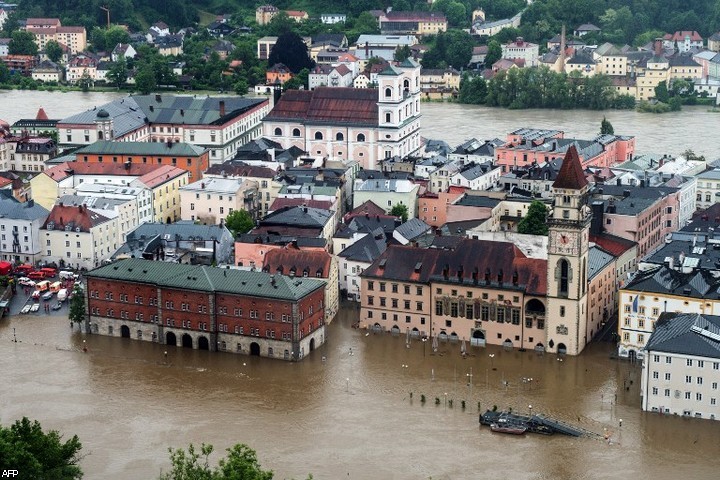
x: 24, y: 269
x: 36, y: 275
x: 48, y: 272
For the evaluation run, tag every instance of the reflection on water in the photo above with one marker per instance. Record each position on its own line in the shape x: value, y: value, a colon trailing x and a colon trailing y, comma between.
x: 350, y: 416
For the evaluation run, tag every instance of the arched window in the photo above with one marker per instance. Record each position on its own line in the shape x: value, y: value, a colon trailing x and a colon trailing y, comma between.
x: 387, y: 118
x: 406, y: 84
x: 388, y: 92
x: 296, y: 132
x: 100, y: 135
x: 318, y: 136
x: 361, y: 137
x: 339, y: 137
x: 278, y: 131
x: 563, y: 285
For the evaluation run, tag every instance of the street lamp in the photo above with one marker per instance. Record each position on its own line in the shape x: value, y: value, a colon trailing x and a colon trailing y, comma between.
x: 470, y: 380
x: 530, y: 408
x: 14, y: 336
x: 446, y: 404
x: 424, y: 340
x: 404, y: 367
x: 347, y: 384
x: 492, y: 361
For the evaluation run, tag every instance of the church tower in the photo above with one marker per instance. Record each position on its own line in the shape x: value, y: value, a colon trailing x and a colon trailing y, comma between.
x: 567, y: 278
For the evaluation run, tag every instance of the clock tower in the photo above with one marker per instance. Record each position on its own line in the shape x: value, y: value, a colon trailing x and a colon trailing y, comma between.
x: 567, y: 275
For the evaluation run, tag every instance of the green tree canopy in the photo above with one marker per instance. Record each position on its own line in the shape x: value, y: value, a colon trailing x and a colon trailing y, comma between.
x: 77, y: 306
x: 606, y: 127
x: 402, y: 53
x: 401, y: 211
x: 53, y: 50
x: 22, y: 43
x: 239, y: 222
x: 291, y: 51
x: 535, y: 222
x: 118, y: 74
x: 37, y: 454
x: 451, y: 49
x: 241, y: 463
x: 494, y: 53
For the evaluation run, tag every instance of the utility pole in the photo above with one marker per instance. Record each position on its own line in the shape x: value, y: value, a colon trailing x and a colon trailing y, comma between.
x: 107, y: 11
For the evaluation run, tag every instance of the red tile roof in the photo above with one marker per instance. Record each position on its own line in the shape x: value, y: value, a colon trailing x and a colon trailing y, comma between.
x: 680, y: 35
x: 353, y: 106
x: 62, y: 216
x: 472, y: 258
x: 612, y: 244
x: 41, y: 115
x: 283, y: 260
x: 571, y: 175
x: 163, y: 174
x: 294, y: 202
x: 4, y: 182
x: 64, y: 170
x: 366, y: 208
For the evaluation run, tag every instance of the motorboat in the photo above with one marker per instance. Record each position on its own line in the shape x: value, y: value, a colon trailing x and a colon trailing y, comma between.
x: 35, y: 307
x: 513, y: 429
x: 26, y: 309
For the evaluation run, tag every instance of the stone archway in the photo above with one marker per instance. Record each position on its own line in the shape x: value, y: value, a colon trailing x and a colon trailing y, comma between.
x: 125, y: 331
x: 539, y: 347
x: 187, y: 341
x: 170, y: 339
x: 255, y: 349
x: 203, y: 343
x: 478, y: 338
x: 561, y: 348
x: 507, y: 343
x: 312, y: 344
x: 632, y: 355
x: 395, y: 330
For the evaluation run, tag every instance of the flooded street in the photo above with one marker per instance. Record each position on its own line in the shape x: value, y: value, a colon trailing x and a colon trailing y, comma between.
x: 350, y: 416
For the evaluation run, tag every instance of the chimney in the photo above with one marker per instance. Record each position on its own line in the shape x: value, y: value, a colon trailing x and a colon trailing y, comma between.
x: 158, y: 98
x: 222, y: 108
x: 460, y: 273
x: 446, y: 271
x: 366, y: 50
x: 626, y: 193
x: 475, y: 276
x: 202, y: 185
x: 596, y: 224
x: 500, y: 277
x: 30, y: 203
x: 562, y: 50
x: 182, y: 112
x: 515, y: 278
x: 487, y: 276
x: 618, y: 182
x: 127, y: 165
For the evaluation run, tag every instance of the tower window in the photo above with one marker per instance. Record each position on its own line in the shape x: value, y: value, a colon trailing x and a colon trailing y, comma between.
x: 339, y: 137
x: 296, y: 132
x: 564, y: 277
x: 387, y: 118
x: 318, y: 136
x: 278, y: 131
x: 360, y: 137
x: 388, y: 92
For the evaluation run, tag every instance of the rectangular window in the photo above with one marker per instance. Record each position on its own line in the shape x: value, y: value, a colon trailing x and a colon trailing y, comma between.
x: 656, y: 375
x: 667, y: 376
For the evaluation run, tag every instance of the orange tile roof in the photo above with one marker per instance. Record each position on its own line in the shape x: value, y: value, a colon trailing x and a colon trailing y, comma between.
x: 314, y: 261
x: 571, y: 175
x: 161, y: 175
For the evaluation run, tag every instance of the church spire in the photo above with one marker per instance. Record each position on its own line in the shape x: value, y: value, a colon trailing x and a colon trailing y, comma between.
x: 571, y: 175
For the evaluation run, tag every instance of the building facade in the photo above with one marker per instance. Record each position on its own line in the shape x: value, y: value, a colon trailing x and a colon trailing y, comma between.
x: 207, y: 308
x: 20, y: 230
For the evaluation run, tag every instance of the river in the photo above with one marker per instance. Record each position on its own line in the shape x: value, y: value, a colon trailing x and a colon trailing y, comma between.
x: 338, y: 415
x: 693, y: 128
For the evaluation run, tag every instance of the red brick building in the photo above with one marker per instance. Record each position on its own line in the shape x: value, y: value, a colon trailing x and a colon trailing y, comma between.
x: 207, y: 308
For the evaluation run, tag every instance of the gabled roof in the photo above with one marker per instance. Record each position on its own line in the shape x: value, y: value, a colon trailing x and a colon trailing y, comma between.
x: 304, y: 217
x: 413, y: 228
x: 310, y: 263
x: 208, y: 279
x: 73, y: 217
x: 10, y: 208
x: 282, y: 202
x: 686, y: 334
x: 612, y: 244
x: 241, y: 170
x: 367, y: 249
x: 571, y: 175
x: 67, y: 169
x: 679, y: 36
x: 326, y: 105
x: 665, y: 280
x: 143, y: 148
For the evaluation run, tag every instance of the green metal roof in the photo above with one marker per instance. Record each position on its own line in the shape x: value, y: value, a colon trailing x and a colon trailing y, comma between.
x: 208, y: 279
x: 143, y: 148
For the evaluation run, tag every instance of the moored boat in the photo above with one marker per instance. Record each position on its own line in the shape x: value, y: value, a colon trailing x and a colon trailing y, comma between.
x: 508, y: 428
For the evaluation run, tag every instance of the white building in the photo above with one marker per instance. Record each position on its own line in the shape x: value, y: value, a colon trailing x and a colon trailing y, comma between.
x: 708, y: 189
x: 341, y: 124
x: 681, y: 368
x: 78, y: 237
x: 388, y: 193
x: 332, y: 18
x: 520, y: 49
x: 474, y: 176
x: 122, y: 207
x: 669, y: 288
x: 219, y: 124
x: 20, y: 230
x: 361, y: 251
x: 211, y: 200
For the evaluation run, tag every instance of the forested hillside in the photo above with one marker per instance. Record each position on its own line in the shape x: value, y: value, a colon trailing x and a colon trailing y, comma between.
x: 621, y: 20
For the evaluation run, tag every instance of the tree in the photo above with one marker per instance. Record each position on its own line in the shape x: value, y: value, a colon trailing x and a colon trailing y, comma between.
x: 241, y: 464
x: 24, y: 447
x: 606, y: 127
x: 661, y: 92
x: 53, y: 50
x: 77, y: 307
x: 85, y: 81
x: 402, y: 53
x: 473, y: 90
x: 291, y: 51
x: 535, y: 222
x: 241, y: 86
x: 22, y: 43
x: 118, y: 73
x: 494, y: 53
x: 239, y: 222
x: 145, y: 79
x: 452, y: 48
x: 401, y: 211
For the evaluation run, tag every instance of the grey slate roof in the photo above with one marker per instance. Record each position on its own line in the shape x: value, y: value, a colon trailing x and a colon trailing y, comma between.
x: 698, y: 284
x: 182, y: 230
x: 367, y: 249
x: 143, y: 148
x: 686, y: 334
x: 597, y: 261
x: 413, y: 228
x: 12, y: 209
x: 125, y: 113
x: 208, y: 279
x: 477, y: 201
x: 298, y: 217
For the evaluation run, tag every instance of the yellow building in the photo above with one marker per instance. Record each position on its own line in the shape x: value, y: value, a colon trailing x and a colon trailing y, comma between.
x: 416, y: 23
x: 164, y: 183
x: 46, y: 29
x: 265, y: 13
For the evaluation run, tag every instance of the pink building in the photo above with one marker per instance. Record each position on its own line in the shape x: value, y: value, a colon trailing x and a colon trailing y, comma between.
x: 528, y: 145
x: 432, y: 207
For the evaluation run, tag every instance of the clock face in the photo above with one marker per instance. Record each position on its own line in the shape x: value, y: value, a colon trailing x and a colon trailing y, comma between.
x: 566, y: 243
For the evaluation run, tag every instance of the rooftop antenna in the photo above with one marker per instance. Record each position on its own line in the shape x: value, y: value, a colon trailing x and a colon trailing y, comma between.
x: 107, y: 11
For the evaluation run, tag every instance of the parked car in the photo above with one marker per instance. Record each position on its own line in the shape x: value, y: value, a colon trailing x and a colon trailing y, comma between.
x: 47, y: 296
x: 26, y: 308
x: 35, y: 307
x: 57, y: 306
x: 66, y: 275
x: 36, y: 275
x: 48, y: 272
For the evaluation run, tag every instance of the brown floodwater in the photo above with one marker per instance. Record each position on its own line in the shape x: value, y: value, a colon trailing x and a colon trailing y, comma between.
x: 338, y: 415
